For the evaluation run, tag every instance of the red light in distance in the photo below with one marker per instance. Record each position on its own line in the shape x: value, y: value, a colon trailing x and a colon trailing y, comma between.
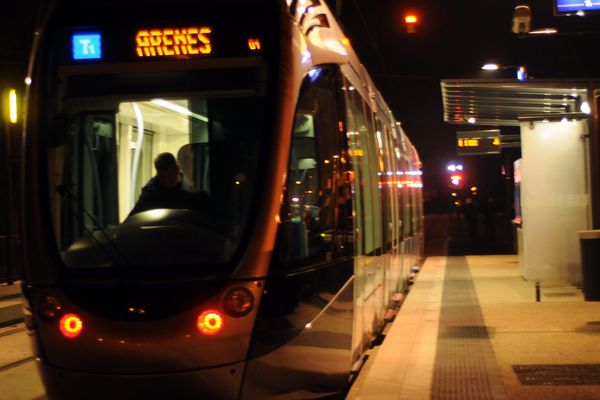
x: 411, y: 19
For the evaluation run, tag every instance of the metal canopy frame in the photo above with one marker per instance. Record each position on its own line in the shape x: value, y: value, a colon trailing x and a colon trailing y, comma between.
x: 503, y: 102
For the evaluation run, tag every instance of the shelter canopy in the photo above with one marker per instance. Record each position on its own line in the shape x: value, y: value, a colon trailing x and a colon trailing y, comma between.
x: 502, y: 102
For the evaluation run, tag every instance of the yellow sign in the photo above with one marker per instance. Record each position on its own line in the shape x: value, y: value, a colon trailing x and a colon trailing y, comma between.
x: 356, y: 152
x: 173, y: 42
x: 479, y: 142
x: 468, y: 142
x: 12, y: 106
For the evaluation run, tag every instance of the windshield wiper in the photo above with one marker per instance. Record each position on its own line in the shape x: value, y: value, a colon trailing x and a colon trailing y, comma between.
x: 66, y: 194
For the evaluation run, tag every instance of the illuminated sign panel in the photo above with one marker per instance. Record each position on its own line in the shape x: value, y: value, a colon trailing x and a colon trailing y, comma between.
x: 468, y: 142
x: 573, y: 6
x: 12, y: 105
x: 165, y: 42
x: 478, y: 142
x: 87, y: 46
x: 144, y: 42
x: 254, y: 44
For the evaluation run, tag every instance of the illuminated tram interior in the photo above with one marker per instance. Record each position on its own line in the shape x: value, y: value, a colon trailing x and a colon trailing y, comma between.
x: 101, y: 170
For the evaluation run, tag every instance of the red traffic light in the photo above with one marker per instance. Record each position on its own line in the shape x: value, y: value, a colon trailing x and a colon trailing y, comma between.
x: 456, y: 179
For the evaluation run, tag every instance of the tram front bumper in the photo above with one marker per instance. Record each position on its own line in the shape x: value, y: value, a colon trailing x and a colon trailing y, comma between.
x: 221, y: 383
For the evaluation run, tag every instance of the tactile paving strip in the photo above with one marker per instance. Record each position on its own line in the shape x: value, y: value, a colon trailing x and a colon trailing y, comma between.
x: 558, y: 374
x: 465, y: 364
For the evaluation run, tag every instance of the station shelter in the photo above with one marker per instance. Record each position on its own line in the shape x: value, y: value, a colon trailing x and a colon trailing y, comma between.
x: 556, y: 180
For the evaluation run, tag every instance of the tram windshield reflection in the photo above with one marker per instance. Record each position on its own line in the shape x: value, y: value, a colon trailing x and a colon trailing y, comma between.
x: 99, y: 170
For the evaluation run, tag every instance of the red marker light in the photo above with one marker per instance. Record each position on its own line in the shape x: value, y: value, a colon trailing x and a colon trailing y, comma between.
x: 210, y: 322
x: 70, y: 326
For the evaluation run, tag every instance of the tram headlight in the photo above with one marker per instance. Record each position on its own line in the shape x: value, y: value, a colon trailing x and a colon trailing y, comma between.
x: 50, y: 307
x: 238, y: 301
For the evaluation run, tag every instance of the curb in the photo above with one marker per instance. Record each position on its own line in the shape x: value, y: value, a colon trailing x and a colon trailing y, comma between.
x: 11, y: 312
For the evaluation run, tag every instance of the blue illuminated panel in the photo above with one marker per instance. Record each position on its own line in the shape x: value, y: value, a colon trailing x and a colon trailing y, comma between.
x: 87, y: 46
x: 572, y: 6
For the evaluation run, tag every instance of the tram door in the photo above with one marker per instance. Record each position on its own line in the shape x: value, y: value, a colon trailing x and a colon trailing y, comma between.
x: 376, y: 254
x: 387, y: 188
x: 367, y: 221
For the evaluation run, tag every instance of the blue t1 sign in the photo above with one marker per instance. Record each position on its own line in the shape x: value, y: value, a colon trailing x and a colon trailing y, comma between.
x: 87, y: 46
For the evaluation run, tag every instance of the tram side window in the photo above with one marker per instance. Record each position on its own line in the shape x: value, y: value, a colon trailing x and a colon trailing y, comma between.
x: 407, y: 200
x: 365, y: 163
x: 308, y: 221
x: 386, y: 183
x: 397, y: 161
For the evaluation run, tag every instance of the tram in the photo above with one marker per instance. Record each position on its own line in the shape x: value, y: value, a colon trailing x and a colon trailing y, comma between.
x: 305, y: 218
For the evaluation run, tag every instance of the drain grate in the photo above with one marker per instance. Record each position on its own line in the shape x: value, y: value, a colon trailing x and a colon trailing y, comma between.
x: 560, y: 294
x: 558, y: 374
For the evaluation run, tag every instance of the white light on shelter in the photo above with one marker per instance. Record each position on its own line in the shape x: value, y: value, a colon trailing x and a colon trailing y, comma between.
x: 585, y: 108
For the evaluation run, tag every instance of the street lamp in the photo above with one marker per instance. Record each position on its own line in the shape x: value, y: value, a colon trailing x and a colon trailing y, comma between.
x: 411, y: 20
x: 521, y: 70
x: 490, y: 67
x: 454, y: 167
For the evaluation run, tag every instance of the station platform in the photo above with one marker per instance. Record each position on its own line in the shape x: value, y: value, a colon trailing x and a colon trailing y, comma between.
x: 471, y: 328
x: 10, y: 304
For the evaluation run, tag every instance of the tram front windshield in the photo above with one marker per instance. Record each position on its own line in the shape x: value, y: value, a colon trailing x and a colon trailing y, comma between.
x: 112, y: 132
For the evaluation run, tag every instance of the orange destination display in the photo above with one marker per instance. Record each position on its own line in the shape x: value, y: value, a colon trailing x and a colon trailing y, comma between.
x: 189, y: 41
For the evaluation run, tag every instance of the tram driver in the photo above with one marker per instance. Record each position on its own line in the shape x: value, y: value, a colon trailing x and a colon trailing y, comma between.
x: 166, y: 189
